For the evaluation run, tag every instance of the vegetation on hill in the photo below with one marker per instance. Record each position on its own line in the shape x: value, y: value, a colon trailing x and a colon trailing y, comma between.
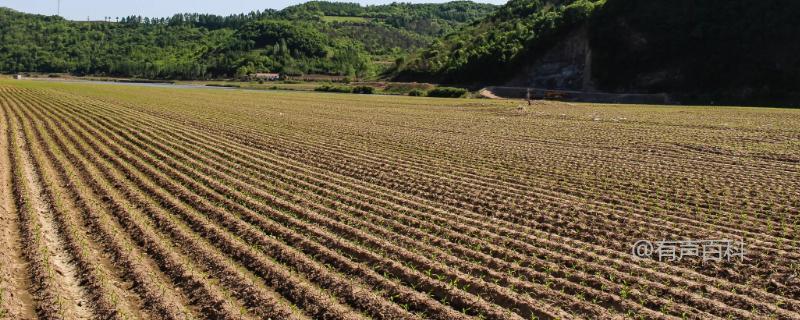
x: 315, y: 37
x: 716, y: 50
x: 427, y: 19
x: 493, y: 48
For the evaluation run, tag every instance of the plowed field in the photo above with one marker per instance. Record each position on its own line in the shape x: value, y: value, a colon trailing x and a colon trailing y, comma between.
x: 154, y: 203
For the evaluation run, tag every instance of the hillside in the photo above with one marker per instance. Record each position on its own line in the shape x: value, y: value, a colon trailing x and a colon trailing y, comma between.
x: 714, y: 51
x: 315, y: 37
x: 494, y: 48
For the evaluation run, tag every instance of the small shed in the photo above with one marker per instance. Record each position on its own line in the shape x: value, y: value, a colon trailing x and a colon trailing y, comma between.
x: 18, y: 77
x: 267, y: 76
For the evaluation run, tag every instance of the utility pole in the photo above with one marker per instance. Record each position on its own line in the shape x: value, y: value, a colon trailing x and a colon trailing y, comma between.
x: 58, y: 13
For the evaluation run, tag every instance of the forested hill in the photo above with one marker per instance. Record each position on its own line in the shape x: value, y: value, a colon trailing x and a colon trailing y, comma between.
x: 494, y: 48
x: 314, y: 37
x: 713, y: 50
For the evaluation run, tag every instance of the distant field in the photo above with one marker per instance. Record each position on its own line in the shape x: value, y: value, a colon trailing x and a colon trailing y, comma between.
x: 344, y: 19
x: 155, y: 203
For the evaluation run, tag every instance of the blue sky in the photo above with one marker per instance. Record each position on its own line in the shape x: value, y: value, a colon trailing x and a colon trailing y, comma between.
x: 97, y: 9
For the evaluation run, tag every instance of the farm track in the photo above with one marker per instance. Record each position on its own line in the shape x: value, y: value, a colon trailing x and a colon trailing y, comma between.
x: 296, y: 224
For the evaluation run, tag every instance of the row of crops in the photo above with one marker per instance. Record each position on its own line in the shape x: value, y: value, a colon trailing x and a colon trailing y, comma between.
x: 130, y: 202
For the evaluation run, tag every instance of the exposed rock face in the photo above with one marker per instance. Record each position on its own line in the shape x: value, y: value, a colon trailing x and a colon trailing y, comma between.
x: 566, y: 66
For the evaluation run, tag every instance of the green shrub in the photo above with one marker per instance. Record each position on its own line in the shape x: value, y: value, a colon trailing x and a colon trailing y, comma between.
x: 346, y: 89
x: 447, y: 92
x: 406, y: 87
x: 330, y: 88
x: 364, y: 90
x: 417, y: 93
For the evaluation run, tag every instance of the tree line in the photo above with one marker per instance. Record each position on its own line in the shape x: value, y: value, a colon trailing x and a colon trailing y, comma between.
x: 297, y: 40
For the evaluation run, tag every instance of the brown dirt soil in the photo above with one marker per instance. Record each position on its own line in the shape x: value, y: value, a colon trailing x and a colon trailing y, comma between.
x: 316, y: 206
x: 76, y: 304
x: 15, y: 299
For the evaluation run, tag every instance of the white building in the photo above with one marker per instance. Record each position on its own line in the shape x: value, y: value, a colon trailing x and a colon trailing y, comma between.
x: 266, y: 76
